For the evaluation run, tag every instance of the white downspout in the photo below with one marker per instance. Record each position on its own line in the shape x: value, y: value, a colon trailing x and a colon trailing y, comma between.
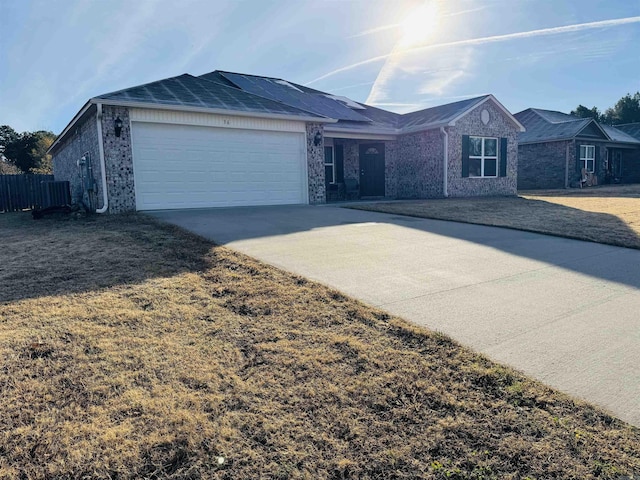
x: 103, y: 169
x: 445, y: 171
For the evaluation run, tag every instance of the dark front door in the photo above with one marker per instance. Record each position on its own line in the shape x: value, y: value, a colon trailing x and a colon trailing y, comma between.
x: 615, y: 164
x: 372, y: 170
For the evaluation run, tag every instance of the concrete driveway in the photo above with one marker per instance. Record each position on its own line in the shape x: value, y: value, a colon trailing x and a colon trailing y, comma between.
x: 564, y: 311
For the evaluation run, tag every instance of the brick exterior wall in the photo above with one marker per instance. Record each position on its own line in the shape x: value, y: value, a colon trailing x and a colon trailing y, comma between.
x: 631, y: 166
x: 391, y: 169
x: 82, y: 140
x: 543, y: 165
x: 315, y: 165
x: 118, y: 161
x: 471, y: 124
x: 351, y: 158
x: 118, y: 158
x: 419, y: 166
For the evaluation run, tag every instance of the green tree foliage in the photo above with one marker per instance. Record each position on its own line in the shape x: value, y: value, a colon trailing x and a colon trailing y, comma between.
x: 27, y: 151
x: 626, y: 110
x: 7, y: 135
x: 584, y: 112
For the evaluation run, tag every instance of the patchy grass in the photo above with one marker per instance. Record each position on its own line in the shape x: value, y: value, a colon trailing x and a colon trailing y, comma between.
x: 134, y: 350
x: 608, y: 215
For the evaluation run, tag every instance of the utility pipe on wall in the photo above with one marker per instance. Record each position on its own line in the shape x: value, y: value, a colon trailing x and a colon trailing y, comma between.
x: 103, y: 169
x: 445, y: 172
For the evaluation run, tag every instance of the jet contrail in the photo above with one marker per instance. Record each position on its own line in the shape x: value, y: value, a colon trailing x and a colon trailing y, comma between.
x: 496, y: 38
x: 376, y: 30
x: 397, y: 25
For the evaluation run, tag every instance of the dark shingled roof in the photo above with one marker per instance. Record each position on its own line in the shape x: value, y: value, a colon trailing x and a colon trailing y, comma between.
x: 255, y: 94
x: 440, y: 115
x: 547, y: 126
x: 632, y: 129
x: 285, y: 92
x: 365, y: 118
x: 187, y: 90
x: 377, y: 117
x: 616, y: 134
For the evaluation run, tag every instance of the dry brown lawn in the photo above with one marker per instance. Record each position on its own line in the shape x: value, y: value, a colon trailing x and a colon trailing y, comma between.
x: 129, y: 350
x: 604, y: 214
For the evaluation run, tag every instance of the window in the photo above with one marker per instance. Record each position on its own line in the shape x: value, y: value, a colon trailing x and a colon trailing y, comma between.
x: 587, y: 157
x: 329, y: 166
x: 483, y: 157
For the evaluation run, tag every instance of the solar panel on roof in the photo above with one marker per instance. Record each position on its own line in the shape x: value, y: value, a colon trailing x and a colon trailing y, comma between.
x: 187, y: 90
x: 293, y: 96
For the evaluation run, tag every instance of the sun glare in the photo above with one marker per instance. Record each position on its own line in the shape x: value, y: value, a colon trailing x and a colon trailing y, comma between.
x: 420, y: 25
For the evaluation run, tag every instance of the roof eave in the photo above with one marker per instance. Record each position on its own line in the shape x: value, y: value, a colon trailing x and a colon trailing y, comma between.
x: 550, y: 140
x: 70, y: 125
x: 220, y: 111
x: 420, y: 128
x: 380, y: 134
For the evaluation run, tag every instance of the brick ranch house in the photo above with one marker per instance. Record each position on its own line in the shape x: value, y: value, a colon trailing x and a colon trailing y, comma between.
x: 228, y: 139
x: 556, y: 147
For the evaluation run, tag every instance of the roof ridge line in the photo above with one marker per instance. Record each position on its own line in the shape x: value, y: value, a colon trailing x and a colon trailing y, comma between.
x: 138, y: 86
x: 256, y: 95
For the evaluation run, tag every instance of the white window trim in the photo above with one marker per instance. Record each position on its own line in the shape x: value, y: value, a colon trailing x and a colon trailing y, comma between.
x: 483, y: 157
x: 333, y: 163
x: 584, y: 160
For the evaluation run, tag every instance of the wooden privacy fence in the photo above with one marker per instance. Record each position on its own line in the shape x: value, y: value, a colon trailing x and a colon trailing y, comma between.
x: 20, y: 192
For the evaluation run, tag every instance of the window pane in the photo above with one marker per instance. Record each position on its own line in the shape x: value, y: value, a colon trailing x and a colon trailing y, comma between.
x: 328, y: 174
x: 583, y: 151
x: 475, y: 146
x: 490, y: 147
x: 590, y: 165
x: 475, y: 165
x: 591, y: 152
x: 328, y: 155
x: 490, y: 168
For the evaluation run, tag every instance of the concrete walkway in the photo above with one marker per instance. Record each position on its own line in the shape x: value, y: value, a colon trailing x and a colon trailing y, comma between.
x: 564, y: 311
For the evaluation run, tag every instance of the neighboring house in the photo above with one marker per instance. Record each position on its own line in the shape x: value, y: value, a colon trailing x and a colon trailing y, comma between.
x: 632, y: 129
x: 556, y: 147
x: 228, y: 139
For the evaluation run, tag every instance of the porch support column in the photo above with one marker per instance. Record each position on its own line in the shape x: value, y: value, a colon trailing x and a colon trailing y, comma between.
x: 315, y: 163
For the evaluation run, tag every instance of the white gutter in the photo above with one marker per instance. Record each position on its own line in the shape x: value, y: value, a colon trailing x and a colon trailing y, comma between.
x: 103, y: 168
x: 445, y: 169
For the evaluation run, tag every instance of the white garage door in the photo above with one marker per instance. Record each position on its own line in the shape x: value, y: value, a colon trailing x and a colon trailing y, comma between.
x: 180, y: 166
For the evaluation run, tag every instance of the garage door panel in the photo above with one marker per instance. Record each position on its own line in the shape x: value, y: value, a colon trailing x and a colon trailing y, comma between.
x: 178, y: 166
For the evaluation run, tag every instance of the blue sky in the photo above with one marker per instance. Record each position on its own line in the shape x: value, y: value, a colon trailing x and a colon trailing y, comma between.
x: 401, y: 55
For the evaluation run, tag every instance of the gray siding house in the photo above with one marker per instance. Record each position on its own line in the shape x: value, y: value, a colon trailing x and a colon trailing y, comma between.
x: 556, y: 147
x: 227, y: 139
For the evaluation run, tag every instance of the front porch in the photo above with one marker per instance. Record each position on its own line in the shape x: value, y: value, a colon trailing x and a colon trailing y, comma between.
x: 357, y: 169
